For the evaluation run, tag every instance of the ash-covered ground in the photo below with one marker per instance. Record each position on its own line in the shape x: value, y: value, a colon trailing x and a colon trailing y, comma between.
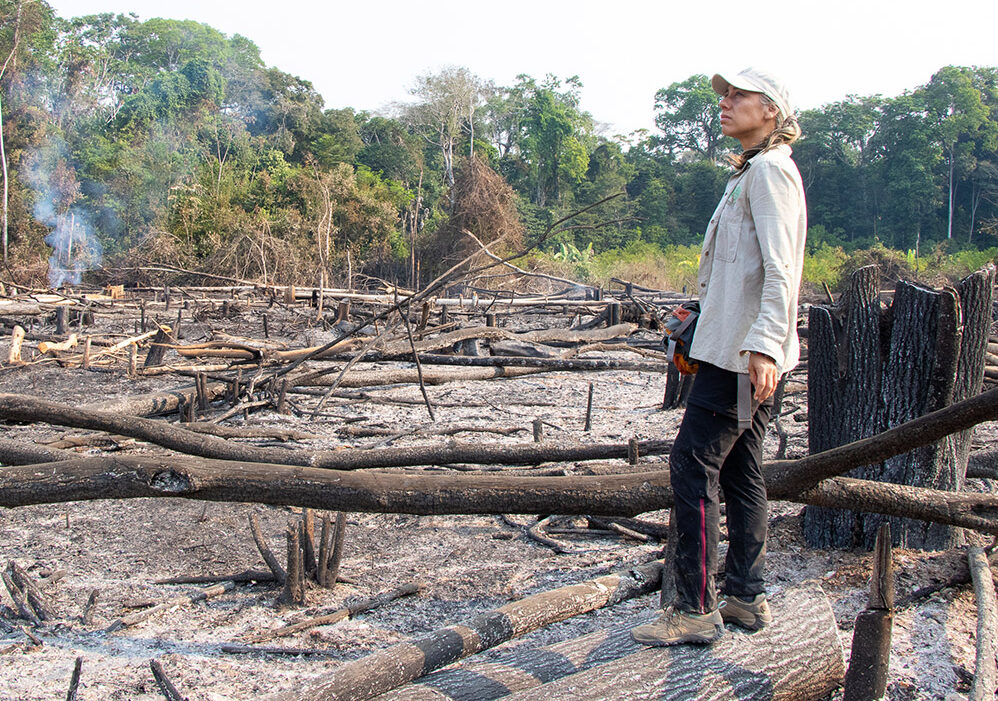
x: 465, y: 564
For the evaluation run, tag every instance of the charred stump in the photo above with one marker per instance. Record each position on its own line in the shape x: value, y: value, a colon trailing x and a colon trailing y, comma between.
x: 871, y: 369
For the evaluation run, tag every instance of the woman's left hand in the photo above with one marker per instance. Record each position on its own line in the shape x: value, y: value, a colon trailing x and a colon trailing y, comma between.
x: 763, y: 374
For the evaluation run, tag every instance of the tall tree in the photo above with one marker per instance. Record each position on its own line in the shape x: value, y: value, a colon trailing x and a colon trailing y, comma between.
x: 834, y: 158
x: 23, y: 38
x: 556, y: 139
x: 689, y: 118
x: 907, y: 157
x: 446, y: 109
x: 16, y: 39
x: 960, y: 118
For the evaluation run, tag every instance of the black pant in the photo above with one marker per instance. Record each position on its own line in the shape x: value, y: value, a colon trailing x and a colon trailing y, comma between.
x: 710, y: 451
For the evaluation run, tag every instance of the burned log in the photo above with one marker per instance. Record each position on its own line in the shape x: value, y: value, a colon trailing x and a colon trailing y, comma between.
x: 798, y: 657
x: 985, y: 672
x: 25, y: 408
x: 155, y: 403
x: 21, y: 453
x: 935, y: 506
x: 870, y: 370
x: 338, y: 615
x: 201, y: 595
x: 546, y: 363
x: 983, y: 464
x: 402, y: 348
x: 430, y: 376
x: 613, y: 495
x: 526, y: 669
x: 165, y: 685
x: 387, y: 669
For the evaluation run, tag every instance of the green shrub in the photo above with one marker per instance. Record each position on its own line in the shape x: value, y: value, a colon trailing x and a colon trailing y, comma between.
x: 824, y: 265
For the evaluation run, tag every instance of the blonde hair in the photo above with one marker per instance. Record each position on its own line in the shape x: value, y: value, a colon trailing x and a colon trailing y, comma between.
x: 787, y: 131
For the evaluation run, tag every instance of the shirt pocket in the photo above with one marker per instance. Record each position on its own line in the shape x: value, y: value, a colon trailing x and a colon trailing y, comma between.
x: 729, y: 228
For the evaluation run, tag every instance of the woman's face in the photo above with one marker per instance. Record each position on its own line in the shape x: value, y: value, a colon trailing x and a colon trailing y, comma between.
x: 744, y: 116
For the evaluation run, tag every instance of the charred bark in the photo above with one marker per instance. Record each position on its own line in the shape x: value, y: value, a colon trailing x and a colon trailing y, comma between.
x: 798, y: 657
x: 872, y: 369
x: 25, y: 408
x: 389, y: 668
x: 527, y: 668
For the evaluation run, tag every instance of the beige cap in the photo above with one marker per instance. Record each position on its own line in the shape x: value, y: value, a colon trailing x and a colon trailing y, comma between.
x: 756, y: 80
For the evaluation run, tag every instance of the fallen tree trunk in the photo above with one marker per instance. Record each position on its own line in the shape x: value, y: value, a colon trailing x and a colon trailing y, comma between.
x: 392, y: 492
x: 547, y: 363
x: 799, y: 475
x: 20, y: 453
x: 983, y: 464
x: 408, y: 376
x: 612, y: 495
x: 156, y: 403
x: 25, y: 408
x: 402, y: 348
x: 985, y: 671
x: 798, y: 610
x: 799, y: 657
x: 792, y: 476
x: 964, y: 509
x: 389, y: 668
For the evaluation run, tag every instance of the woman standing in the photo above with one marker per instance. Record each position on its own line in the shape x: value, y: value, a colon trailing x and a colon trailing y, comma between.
x: 746, y: 338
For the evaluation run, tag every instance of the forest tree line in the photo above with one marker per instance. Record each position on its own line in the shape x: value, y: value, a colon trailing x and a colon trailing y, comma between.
x: 165, y: 141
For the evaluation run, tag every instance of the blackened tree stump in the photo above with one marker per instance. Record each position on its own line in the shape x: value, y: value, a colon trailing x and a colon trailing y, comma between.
x: 871, y: 369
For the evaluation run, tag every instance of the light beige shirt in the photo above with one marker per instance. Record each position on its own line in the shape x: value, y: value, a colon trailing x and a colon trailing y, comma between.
x: 750, y: 267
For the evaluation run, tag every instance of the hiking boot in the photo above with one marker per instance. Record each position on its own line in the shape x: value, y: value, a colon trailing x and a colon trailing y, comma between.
x: 674, y: 627
x: 752, y: 614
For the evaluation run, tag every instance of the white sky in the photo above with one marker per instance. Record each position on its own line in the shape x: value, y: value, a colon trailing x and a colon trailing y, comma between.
x: 366, y: 55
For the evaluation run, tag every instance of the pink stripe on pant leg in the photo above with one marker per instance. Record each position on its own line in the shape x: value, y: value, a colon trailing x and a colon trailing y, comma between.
x: 703, y: 555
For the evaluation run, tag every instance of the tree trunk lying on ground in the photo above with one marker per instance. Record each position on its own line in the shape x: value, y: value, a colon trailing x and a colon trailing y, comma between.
x: 389, y: 668
x: 983, y: 463
x: 614, y: 495
x: 156, y: 403
x: 798, y: 657
x: 507, y: 361
x: 804, y: 627
x: 21, y: 453
x: 985, y: 671
x: 402, y: 376
x: 785, y: 477
x: 381, y: 492
x: 402, y: 348
x: 24, y: 408
x: 393, y: 492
